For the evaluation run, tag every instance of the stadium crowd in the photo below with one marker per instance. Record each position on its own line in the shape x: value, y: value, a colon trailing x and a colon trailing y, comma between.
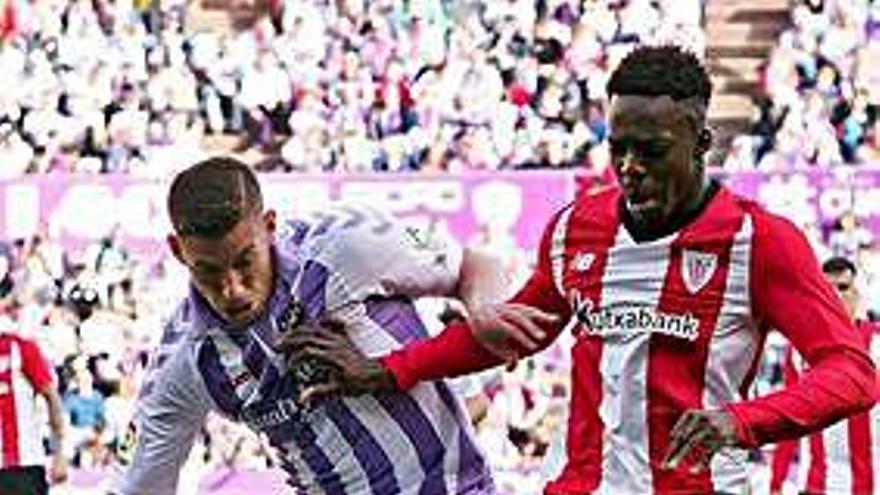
x: 821, y: 91
x: 124, y: 86
x: 100, y: 86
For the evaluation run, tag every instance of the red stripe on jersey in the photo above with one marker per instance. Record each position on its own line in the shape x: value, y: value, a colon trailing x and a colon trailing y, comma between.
x: 860, y: 453
x: 676, y: 367
x: 591, y: 231
x: 8, y: 416
x: 816, y: 473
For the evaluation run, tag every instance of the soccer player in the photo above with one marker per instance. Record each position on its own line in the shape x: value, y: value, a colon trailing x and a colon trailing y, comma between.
x: 843, y: 459
x: 249, y: 286
x: 670, y: 282
x: 25, y: 374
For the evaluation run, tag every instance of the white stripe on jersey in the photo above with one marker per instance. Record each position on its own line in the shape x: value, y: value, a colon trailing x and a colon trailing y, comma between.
x: 633, y: 273
x: 730, y: 356
x: 367, y: 335
x: 30, y: 450
x: 232, y: 359
x: 805, y: 459
x: 340, y: 453
x: 557, y: 249
x: 838, y: 475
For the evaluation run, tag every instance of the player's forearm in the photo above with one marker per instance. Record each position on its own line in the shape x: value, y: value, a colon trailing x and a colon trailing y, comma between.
x: 56, y: 416
x: 454, y: 352
x: 841, y: 384
x: 481, y: 279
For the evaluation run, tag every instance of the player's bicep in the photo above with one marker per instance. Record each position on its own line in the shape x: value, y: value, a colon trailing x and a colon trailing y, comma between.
x: 159, y: 438
x: 791, y: 294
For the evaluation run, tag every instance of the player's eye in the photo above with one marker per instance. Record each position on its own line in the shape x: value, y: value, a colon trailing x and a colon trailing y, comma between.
x: 652, y: 151
x: 243, y: 263
x: 206, y: 272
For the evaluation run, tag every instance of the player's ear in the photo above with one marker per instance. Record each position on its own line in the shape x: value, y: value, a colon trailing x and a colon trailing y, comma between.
x: 270, y: 220
x: 704, y: 142
x: 174, y: 245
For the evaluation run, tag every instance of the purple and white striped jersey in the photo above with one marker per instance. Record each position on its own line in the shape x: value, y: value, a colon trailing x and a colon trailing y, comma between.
x: 359, y: 266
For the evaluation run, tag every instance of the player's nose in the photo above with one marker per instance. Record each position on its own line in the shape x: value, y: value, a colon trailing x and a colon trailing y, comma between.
x: 233, y: 286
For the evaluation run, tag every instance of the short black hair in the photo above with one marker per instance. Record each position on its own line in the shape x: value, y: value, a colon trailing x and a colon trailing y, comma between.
x: 666, y: 70
x: 209, y: 198
x: 839, y: 264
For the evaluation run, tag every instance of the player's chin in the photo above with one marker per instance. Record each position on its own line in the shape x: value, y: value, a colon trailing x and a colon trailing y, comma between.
x: 649, y: 212
x: 241, y: 316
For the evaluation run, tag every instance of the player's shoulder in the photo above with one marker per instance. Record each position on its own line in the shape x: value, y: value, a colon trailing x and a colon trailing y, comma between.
x: 182, y: 329
x: 340, y: 222
x: 766, y: 225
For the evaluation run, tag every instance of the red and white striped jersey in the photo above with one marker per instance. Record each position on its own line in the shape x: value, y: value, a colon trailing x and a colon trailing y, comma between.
x: 843, y: 459
x: 668, y: 324
x: 23, y: 372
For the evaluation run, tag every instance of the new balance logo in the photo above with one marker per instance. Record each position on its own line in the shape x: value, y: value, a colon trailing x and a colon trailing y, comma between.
x: 582, y: 262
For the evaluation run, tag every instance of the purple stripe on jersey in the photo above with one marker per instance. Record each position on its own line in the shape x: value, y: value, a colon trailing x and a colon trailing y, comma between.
x: 307, y: 443
x: 216, y: 380
x: 398, y: 317
x: 312, y: 287
x: 299, y: 229
x: 420, y: 432
x: 255, y: 358
x: 171, y: 336
x: 373, y: 460
x: 472, y: 470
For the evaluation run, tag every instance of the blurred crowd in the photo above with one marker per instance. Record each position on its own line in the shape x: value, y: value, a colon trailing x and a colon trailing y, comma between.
x: 822, y: 91
x: 346, y: 85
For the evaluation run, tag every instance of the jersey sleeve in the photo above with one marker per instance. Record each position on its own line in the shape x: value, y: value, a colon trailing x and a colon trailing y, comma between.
x: 403, y: 260
x: 169, y: 414
x: 790, y: 294
x: 34, y: 365
x: 462, y: 352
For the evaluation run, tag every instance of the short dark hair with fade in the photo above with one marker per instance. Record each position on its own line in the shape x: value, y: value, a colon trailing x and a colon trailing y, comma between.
x: 209, y: 198
x: 839, y: 264
x: 666, y: 70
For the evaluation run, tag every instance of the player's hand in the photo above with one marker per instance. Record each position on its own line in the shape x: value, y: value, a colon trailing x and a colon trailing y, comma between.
x: 352, y: 373
x: 58, y: 470
x: 701, y: 433
x: 506, y: 329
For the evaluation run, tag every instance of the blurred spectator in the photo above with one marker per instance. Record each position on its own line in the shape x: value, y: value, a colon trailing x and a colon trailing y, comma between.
x: 25, y: 375
x: 822, y: 100
x: 848, y: 236
x: 85, y: 408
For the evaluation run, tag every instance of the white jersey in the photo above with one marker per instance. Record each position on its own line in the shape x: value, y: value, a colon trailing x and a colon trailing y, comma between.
x: 356, y: 265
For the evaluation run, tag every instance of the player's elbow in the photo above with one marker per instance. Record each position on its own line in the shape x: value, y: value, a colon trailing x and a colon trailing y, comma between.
x: 869, y: 384
x: 864, y: 380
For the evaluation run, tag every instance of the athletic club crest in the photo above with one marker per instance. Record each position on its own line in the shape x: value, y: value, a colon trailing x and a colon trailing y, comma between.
x: 697, y: 269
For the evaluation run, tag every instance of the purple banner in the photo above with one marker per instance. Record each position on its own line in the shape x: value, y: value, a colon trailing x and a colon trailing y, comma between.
x: 78, y: 210
x: 815, y: 196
